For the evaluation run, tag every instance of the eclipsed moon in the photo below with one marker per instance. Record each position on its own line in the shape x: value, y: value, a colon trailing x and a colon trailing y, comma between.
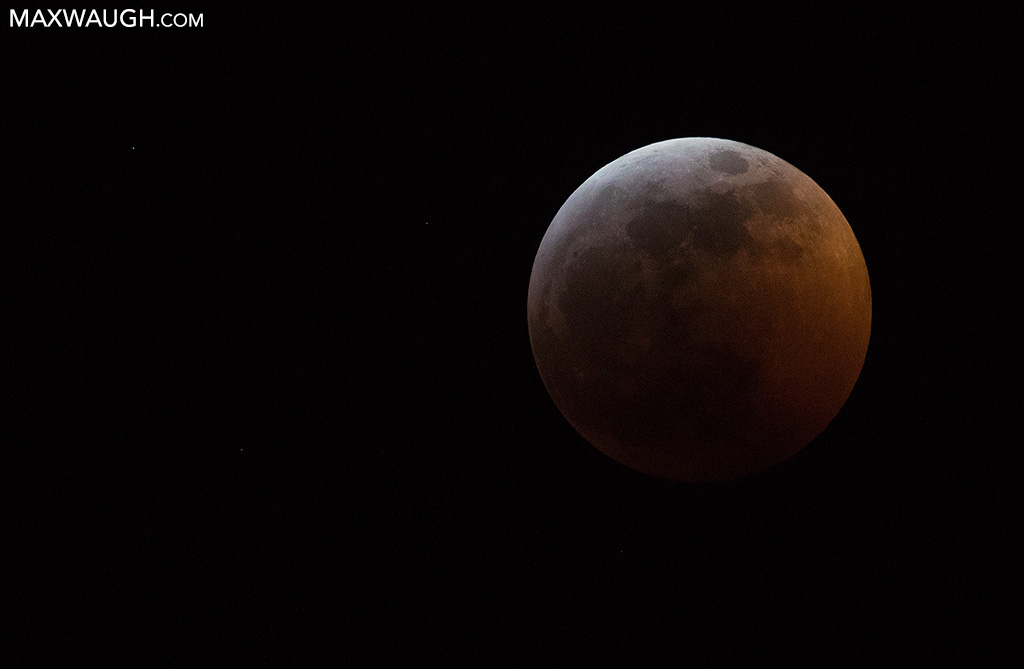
x: 699, y: 309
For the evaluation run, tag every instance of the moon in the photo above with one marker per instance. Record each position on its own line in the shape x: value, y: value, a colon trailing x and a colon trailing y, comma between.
x: 699, y: 309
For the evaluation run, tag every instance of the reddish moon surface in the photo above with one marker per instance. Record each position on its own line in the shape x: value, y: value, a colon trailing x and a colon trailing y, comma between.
x: 699, y: 309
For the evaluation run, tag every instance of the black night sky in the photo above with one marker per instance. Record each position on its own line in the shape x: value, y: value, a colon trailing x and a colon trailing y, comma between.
x: 273, y: 394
